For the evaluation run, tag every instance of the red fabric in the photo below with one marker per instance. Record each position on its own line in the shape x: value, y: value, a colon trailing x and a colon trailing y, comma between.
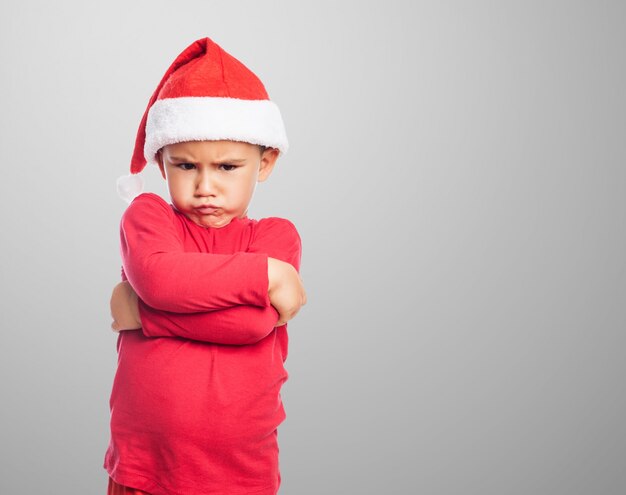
x: 201, y: 69
x: 196, y: 403
x: 117, y: 489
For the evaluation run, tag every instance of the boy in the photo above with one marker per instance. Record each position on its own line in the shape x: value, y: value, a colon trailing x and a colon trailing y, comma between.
x: 196, y: 412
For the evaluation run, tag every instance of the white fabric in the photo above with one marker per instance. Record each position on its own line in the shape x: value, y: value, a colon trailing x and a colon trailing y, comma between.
x: 129, y: 186
x: 174, y: 120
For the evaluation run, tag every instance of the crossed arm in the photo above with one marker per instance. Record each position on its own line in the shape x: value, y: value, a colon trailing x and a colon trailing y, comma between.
x: 238, y: 325
x: 229, y: 299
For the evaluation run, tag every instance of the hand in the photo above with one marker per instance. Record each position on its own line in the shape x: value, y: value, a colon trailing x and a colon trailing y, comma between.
x: 124, y: 308
x: 285, y: 290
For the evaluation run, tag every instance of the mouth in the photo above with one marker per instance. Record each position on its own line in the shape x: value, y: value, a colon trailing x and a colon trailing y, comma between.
x: 206, y: 209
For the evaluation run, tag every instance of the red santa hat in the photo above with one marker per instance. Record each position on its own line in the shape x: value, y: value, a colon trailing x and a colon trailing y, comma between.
x: 206, y: 94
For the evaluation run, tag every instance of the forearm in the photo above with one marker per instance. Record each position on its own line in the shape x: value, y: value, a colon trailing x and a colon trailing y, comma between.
x: 238, y: 325
x: 169, y: 278
x: 198, y: 282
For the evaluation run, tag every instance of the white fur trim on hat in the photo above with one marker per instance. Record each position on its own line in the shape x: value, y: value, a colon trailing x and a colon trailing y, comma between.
x: 199, y: 118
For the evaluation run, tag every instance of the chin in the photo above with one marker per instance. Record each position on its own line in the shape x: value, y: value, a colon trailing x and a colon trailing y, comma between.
x: 214, y: 222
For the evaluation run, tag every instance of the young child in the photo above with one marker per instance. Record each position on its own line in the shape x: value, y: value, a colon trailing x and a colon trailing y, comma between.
x: 196, y: 403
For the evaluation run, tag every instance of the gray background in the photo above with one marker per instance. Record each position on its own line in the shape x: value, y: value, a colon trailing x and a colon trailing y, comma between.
x: 456, y: 173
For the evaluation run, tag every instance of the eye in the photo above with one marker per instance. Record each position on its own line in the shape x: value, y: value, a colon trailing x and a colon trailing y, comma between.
x: 228, y: 167
x: 186, y: 166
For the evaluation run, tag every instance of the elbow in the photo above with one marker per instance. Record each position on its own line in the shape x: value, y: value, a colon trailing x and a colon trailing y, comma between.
x: 255, y: 335
x: 154, y: 295
x: 151, y: 296
x: 262, y: 326
x: 150, y: 278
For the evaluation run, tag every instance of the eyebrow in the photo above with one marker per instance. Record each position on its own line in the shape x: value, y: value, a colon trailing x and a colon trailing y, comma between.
x: 225, y: 160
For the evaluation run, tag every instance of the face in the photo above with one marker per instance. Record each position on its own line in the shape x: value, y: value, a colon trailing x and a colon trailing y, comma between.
x: 212, y: 182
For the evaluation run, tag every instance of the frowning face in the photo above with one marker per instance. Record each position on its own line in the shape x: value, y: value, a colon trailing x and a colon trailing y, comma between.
x: 212, y: 182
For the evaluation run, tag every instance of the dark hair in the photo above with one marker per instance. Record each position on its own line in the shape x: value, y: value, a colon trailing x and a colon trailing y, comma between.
x: 260, y: 146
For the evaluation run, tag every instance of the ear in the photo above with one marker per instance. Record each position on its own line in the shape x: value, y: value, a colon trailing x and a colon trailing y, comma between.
x: 159, y: 157
x: 268, y: 160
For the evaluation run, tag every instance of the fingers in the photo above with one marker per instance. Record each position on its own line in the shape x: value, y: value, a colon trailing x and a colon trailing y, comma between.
x: 116, y: 327
x: 302, y: 291
x: 287, y: 316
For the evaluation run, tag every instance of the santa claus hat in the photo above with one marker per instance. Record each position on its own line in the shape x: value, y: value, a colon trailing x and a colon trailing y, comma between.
x: 206, y: 94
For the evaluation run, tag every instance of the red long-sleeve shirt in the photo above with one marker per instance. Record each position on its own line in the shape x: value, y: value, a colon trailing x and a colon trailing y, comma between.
x: 196, y: 403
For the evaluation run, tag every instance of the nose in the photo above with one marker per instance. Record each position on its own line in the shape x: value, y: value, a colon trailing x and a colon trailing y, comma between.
x: 205, y: 183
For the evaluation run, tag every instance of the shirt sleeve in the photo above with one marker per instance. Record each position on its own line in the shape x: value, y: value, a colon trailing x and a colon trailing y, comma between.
x: 278, y: 238
x: 167, y: 278
x: 244, y: 324
x: 238, y: 325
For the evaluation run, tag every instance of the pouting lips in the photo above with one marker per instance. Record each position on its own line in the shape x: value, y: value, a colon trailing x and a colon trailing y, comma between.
x: 207, y: 209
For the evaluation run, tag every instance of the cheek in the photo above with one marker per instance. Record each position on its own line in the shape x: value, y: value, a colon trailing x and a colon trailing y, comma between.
x: 247, y: 188
x: 177, y: 185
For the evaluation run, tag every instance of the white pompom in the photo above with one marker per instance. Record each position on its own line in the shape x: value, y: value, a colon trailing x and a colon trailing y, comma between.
x: 129, y: 186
